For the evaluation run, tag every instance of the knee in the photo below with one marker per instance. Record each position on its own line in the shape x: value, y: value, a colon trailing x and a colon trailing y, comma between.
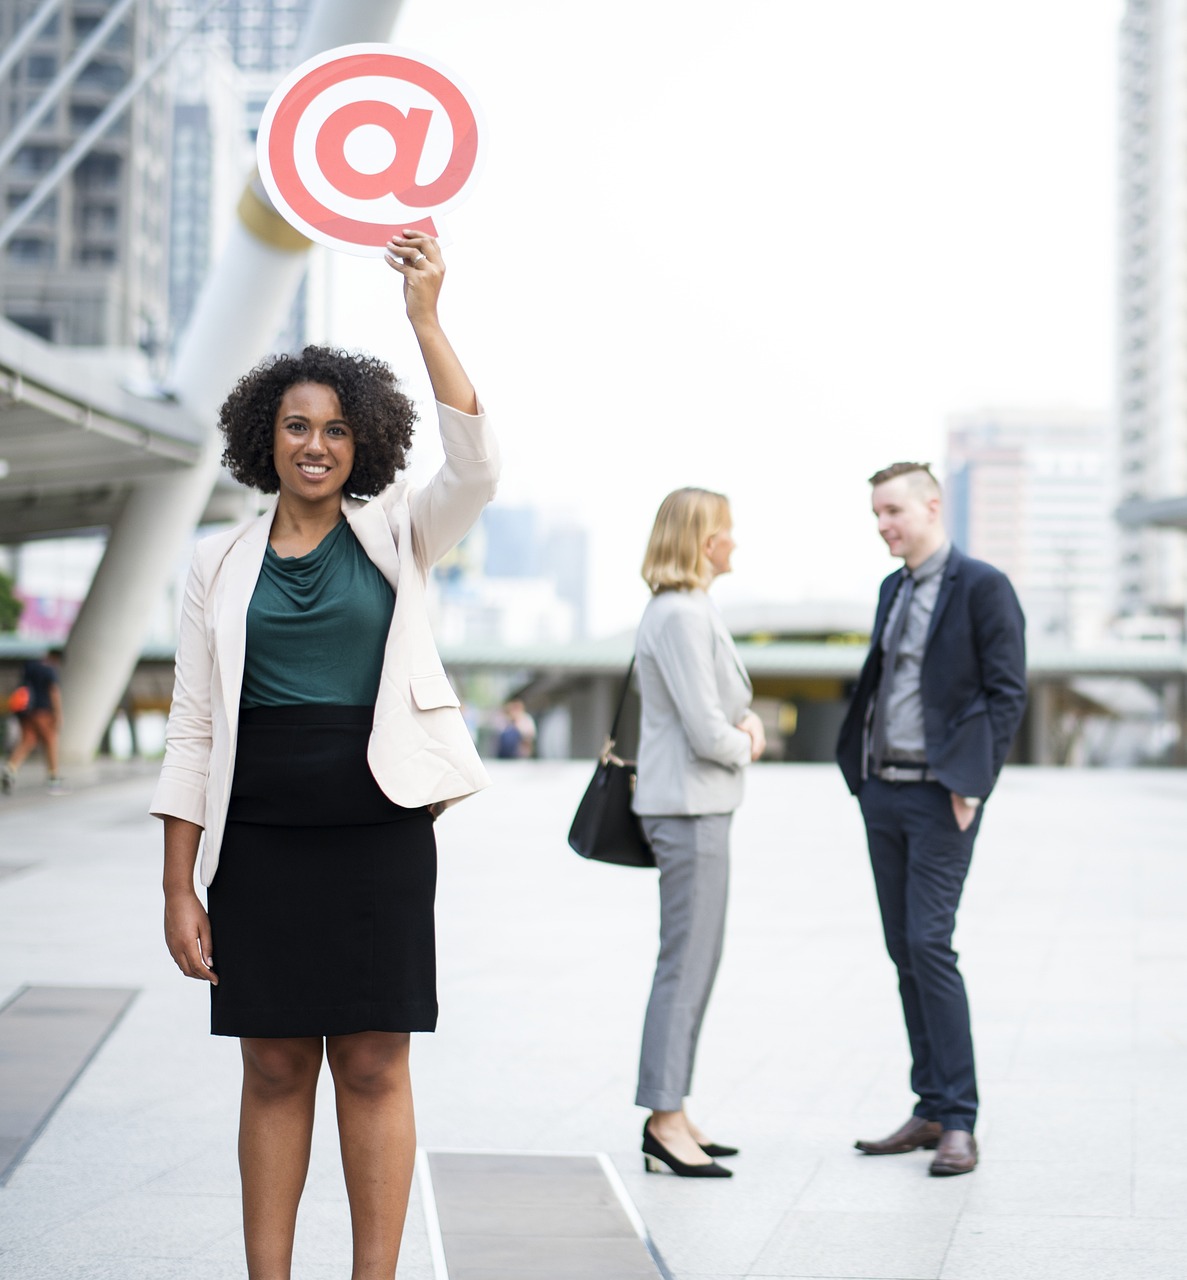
x: 929, y: 949
x: 370, y: 1063
x: 280, y: 1068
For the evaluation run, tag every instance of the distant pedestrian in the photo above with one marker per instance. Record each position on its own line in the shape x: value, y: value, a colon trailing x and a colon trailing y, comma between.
x: 517, y: 737
x: 697, y: 735
x: 312, y: 741
x: 937, y: 705
x: 40, y: 722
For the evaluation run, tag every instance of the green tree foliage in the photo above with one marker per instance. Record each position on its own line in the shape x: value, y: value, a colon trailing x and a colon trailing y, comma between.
x: 10, y: 606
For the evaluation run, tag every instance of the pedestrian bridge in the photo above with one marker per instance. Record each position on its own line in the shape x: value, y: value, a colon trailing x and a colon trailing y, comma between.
x: 75, y: 440
x: 800, y: 689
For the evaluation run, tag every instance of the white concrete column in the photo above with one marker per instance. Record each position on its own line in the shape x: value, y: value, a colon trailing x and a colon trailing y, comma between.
x: 235, y: 321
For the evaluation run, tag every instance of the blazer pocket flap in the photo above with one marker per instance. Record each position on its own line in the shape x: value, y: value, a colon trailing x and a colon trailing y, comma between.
x: 430, y: 692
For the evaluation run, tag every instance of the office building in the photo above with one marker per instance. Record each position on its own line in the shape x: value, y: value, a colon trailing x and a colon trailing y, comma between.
x: 1150, y: 460
x: 87, y: 266
x: 1030, y: 493
x: 223, y: 81
x: 211, y: 156
x: 518, y: 577
x: 263, y: 35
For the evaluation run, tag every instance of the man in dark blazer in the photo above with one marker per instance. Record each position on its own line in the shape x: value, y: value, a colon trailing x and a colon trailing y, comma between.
x: 937, y: 705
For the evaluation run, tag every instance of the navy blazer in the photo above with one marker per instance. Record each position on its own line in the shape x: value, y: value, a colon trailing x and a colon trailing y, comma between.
x: 973, y: 679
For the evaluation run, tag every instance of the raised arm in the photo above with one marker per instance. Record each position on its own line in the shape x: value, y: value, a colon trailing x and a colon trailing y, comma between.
x: 444, y: 510
x: 418, y: 259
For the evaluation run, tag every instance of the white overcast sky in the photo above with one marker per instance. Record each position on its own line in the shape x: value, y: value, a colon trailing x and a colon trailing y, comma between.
x: 764, y: 247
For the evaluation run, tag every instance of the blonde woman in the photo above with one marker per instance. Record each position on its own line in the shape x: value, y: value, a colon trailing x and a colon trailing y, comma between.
x: 697, y: 735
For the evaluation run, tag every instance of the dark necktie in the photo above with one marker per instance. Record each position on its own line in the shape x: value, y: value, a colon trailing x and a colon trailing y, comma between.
x: 889, y: 661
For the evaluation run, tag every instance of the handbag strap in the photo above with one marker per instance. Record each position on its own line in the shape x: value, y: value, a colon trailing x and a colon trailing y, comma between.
x: 626, y: 686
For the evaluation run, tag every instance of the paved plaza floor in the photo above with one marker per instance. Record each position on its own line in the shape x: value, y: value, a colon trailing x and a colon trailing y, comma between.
x: 1073, y: 940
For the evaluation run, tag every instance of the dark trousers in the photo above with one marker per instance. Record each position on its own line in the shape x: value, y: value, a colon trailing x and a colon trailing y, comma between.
x: 920, y: 858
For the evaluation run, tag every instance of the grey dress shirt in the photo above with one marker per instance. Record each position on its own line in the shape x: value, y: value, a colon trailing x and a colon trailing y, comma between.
x: 904, y: 712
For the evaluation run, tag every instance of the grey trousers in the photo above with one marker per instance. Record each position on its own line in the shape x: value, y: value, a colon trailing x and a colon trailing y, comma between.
x: 693, y: 858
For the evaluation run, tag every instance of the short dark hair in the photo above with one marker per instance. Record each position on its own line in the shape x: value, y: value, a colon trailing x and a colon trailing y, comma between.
x: 897, y: 469
x: 379, y: 414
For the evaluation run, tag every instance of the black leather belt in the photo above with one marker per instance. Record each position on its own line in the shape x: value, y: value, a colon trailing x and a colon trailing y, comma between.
x: 905, y: 773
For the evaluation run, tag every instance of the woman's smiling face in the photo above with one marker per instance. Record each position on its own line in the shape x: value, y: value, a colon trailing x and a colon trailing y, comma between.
x: 312, y: 446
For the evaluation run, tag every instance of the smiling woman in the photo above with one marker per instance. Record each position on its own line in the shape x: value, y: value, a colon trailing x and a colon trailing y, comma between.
x: 366, y: 402
x: 308, y: 755
x: 313, y: 448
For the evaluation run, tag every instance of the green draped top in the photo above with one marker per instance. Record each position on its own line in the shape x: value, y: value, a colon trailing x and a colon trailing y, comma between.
x: 317, y: 626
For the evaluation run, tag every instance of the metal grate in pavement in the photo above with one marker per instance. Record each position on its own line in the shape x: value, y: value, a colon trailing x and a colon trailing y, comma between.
x: 508, y: 1216
x: 47, y: 1037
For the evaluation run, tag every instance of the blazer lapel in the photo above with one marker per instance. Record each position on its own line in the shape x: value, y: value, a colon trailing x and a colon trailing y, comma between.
x: 723, y: 633
x: 890, y: 588
x: 951, y: 572
x: 237, y: 580
x: 369, y: 523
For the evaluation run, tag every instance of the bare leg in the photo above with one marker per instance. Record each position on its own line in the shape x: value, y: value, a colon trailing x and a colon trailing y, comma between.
x: 377, y: 1130
x: 28, y: 741
x: 275, y: 1133
x: 50, y: 742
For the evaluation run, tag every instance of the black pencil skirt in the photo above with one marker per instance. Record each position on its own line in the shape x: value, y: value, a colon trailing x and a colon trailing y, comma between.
x: 321, y: 911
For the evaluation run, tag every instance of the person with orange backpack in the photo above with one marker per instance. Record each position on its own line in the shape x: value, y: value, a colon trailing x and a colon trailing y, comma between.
x: 37, y: 704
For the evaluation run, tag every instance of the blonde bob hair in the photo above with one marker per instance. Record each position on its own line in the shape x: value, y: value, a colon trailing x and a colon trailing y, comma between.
x: 686, y: 520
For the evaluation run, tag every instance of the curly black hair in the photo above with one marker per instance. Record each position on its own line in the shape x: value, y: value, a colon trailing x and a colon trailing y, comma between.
x: 378, y: 413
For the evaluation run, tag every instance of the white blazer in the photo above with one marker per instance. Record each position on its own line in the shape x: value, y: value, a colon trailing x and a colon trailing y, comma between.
x: 420, y: 750
x: 694, y: 690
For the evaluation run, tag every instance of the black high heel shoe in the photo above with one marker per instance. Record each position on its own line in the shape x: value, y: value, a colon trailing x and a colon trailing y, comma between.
x: 654, y: 1151
x: 716, y: 1150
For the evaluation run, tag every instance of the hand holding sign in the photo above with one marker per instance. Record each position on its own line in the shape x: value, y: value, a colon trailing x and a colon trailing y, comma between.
x: 365, y: 141
x: 417, y: 257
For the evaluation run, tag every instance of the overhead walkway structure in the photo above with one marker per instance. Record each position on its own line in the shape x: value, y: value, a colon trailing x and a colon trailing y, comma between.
x: 815, y: 679
x: 74, y: 442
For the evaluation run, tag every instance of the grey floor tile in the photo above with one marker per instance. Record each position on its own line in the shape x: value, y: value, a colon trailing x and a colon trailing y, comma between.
x: 1160, y: 1190
x: 34, y: 1267
x: 47, y: 1036
x: 966, y: 1263
x: 884, y: 1184
x: 1036, y: 1230
x: 1059, y: 1189
x: 522, y: 1189
x: 569, y: 1221
x: 555, y: 1259
x: 857, y: 1244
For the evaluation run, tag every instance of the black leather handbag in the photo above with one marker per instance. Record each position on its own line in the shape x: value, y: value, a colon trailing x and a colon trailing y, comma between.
x: 604, y: 828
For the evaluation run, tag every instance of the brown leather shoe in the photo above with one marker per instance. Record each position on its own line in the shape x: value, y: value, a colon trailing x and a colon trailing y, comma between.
x: 957, y: 1153
x: 916, y: 1133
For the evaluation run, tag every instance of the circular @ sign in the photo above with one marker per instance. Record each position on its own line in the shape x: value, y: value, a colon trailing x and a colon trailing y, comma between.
x: 363, y: 141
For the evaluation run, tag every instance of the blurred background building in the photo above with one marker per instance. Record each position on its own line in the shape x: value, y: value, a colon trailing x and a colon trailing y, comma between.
x: 1150, y: 476
x: 520, y: 577
x: 88, y: 266
x: 222, y: 80
x: 1030, y: 493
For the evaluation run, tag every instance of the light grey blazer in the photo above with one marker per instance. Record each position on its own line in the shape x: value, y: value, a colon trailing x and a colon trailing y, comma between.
x: 694, y: 690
